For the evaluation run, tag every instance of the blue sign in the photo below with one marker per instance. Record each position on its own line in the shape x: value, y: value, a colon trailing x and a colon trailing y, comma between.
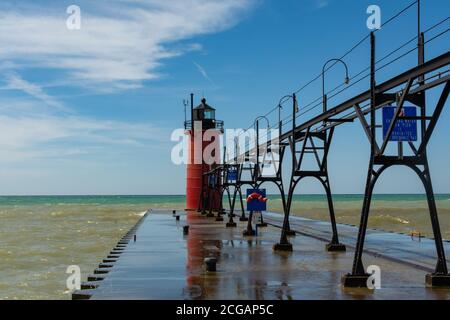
x: 256, y: 204
x: 212, y: 181
x: 232, y: 175
x: 404, y: 130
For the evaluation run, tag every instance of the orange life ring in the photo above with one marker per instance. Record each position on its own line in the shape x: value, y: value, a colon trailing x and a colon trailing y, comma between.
x: 256, y: 196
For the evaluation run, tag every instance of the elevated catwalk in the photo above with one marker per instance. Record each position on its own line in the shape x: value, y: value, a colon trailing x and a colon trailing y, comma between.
x: 163, y: 263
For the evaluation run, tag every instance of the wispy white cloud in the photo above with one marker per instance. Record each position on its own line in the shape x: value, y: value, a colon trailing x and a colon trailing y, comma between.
x: 204, y: 73
x: 121, y: 42
x: 319, y: 4
x: 16, y: 82
x: 32, y: 134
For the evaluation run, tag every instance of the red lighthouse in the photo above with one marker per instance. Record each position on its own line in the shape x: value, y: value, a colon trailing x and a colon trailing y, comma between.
x: 204, y: 150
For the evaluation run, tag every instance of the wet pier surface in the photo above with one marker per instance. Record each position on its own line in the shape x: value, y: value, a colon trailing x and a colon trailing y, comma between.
x: 163, y: 263
x: 414, y: 251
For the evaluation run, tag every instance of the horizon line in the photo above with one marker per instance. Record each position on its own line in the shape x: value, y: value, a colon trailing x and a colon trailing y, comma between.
x: 183, y: 195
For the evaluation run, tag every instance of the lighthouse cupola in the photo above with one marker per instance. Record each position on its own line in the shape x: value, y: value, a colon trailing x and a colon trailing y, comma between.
x: 207, y: 115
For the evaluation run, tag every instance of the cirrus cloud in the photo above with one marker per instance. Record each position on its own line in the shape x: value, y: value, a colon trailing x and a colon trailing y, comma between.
x: 121, y: 42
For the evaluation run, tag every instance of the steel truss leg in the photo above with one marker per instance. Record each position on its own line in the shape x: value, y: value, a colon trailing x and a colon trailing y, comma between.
x: 372, y: 177
x: 441, y: 266
x: 205, y: 201
x: 441, y: 277
x: 284, y: 244
x: 249, y: 232
x: 243, y: 217
x: 286, y: 223
x: 334, y: 245
x: 358, y: 277
x: 219, y: 193
x: 229, y: 197
x: 231, y: 223
x: 210, y: 203
x: 233, y: 202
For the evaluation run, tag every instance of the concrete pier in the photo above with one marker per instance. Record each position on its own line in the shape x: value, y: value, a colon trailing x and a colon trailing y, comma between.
x: 166, y: 263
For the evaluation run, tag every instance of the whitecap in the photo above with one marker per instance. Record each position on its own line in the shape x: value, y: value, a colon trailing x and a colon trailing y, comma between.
x: 141, y: 214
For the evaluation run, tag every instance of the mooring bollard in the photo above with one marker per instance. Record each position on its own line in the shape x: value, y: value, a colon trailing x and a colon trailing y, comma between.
x: 186, y: 230
x: 211, y: 264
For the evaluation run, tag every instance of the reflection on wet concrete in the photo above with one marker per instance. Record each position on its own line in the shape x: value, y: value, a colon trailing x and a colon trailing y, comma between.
x: 165, y: 264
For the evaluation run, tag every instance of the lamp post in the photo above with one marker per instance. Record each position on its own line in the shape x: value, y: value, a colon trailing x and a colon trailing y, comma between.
x: 256, y: 124
x: 280, y: 107
x: 347, y: 80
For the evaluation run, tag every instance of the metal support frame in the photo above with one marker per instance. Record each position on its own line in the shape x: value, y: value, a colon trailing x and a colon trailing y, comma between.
x: 323, y: 142
x: 418, y: 162
x: 277, y: 179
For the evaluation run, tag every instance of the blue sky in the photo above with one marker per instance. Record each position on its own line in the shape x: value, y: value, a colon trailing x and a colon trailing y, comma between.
x: 91, y: 111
